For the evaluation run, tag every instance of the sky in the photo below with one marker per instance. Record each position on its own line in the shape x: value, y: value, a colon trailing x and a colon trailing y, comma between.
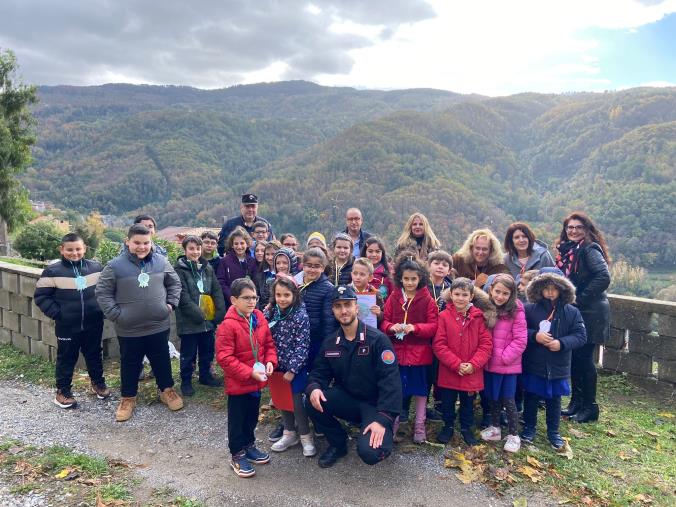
x: 491, y: 47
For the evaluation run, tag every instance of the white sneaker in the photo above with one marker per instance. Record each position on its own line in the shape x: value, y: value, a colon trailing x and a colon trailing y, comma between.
x: 513, y: 443
x: 492, y: 434
x: 289, y: 439
x: 308, y: 444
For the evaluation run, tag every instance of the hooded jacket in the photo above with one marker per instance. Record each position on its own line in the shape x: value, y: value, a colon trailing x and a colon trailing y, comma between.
x: 462, y: 339
x: 291, y: 334
x: 416, y: 347
x: 135, y: 310
x: 539, y: 258
x: 567, y: 326
x: 510, y: 337
x: 57, y: 296
x: 235, y: 355
x: 189, y: 317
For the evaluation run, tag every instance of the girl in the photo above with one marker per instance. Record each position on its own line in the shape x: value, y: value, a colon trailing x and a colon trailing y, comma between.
x: 417, y: 236
x: 193, y: 325
x: 362, y: 272
x: 290, y: 326
x: 340, y: 268
x: 583, y: 257
x: 265, y: 273
x: 522, y: 282
x: 246, y: 352
x: 410, y: 318
x: 236, y: 263
x: 500, y: 374
x: 283, y: 262
x: 555, y: 328
x: 259, y: 251
x: 524, y: 251
x: 463, y: 346
x: 374, y: 250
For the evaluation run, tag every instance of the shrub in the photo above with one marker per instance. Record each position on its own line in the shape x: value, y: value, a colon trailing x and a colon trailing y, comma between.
x: 629, y: 280
x: 39, y: 241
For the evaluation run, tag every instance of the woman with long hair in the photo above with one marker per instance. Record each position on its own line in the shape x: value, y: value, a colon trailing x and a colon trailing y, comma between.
x: 523, y: 251
x: 418, y: 237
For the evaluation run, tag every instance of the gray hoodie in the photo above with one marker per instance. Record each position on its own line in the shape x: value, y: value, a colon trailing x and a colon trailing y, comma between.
x: 135, y: 310
x: 540, y: 258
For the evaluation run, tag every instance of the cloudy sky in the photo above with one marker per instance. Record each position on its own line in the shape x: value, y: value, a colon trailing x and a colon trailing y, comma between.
x: 493, y: 47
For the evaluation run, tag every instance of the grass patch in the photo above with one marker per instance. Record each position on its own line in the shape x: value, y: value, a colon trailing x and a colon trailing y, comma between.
x: 15, y: 365
x: 24, y: 489
x: 114, y: 491
x: 57, y: 458
x: 181, y: 501
x: 23, y: 262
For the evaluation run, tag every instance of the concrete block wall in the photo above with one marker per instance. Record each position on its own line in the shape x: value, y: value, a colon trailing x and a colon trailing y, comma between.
x: 24, y: 326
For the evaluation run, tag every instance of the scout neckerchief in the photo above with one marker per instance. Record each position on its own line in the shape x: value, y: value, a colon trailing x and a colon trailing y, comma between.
x: 143, y: 278
x: 254, y: 343
x: 407, y: 304
x: 304, y: 285
x: 80, y: 281
x: 197, y: 275
x: 338, y: 270
x: 434, y: 292
x: 279, y: 316
x: 546, y: 325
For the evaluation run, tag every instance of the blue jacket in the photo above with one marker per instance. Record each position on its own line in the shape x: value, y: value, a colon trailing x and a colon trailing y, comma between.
x: 291, y: 335
x: 567, y: 327
x: 318, y: 299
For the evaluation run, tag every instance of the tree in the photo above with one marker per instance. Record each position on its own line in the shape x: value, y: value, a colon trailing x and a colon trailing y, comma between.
x: 16, y: 138
x: 39, y: 241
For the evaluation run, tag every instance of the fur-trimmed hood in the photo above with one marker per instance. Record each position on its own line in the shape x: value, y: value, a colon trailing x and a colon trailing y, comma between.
x: 482, y: 301
x: 538, y: 284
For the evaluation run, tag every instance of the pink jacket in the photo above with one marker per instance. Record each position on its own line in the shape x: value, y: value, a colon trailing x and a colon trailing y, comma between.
x: 510, y: 337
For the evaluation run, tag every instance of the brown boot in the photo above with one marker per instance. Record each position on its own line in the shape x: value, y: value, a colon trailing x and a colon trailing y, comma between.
x: 171, y: 399
x: 100, y: 390
x: 125, y: 409
x: 64, y: 399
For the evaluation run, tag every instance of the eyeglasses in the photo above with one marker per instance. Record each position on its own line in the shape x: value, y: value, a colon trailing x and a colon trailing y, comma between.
x: 313, y: 266
x: 249, y: 299
x: 575, y: 227
x: 354, y: 219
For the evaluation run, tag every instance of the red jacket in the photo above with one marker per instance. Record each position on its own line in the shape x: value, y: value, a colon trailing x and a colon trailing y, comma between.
x: 462, y: 340
x: 234, y: 354
x: 416, y: 347
x: 382, y: 281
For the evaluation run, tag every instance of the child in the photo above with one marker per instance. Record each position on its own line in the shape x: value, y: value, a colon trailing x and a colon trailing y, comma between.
x: 200, y: 310
x: 65, y: 293
x: 138, y: 290
x: 555, y: 328
x: 440, y: 264
x: 236, y: 263
x: 410, y: 317
x: 362, y: 272
x: 259, y: 251
x: 290, y: 327
x: 500, y: 373
x: 462, y: 345
x: 523, y: 281
x: 265, y: 274
x: 340, y: 268
x: 210, y: 249
x: 150, y: 223
x: 374, y: 250
x: 246, y: 352
x: 284, y: 261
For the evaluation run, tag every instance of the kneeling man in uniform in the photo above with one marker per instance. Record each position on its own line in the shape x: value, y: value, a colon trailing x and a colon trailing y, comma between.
x: 355, y: 377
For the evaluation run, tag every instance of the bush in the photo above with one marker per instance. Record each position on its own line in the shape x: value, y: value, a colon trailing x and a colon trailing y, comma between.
x: 107, y: 250
x: 628, y: 280
x: 668, y: 293
x: 174, y: 250
x: 39, y: 241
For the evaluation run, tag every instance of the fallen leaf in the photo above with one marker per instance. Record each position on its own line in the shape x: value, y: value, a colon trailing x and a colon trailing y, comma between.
x: 501, y: 474
x: 611, y: 433
x: 469, y: 473
x: 566, y: 450
x: 668, y: 415
x: 63, y: 473
x: 624, y: 456
x: 653, y: 434
x: 434, y: 444
x: 643, y: 498
x: 617, y: 473
x: 578, y: 433
x: 455, y: 460
x: 532, y: 461
x: 118, y: 463
x: 587, y: 501
x: 530, y: 472
x: 520, y: 502
x: 15, y: 450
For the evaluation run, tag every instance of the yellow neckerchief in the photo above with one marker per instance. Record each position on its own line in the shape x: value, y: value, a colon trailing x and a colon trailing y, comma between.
x: 407, y: 304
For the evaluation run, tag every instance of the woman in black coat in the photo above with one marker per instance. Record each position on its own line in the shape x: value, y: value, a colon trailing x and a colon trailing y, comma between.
x: 583, y: 257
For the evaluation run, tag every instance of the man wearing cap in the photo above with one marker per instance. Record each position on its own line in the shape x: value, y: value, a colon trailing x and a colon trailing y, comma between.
x: 247, y: 218
x: 355, y: 377
x: 353, y: 222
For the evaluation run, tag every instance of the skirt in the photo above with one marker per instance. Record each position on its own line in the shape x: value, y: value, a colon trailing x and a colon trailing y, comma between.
x: 544, y: 388
x: 414, y: 380
x: 499, y: 386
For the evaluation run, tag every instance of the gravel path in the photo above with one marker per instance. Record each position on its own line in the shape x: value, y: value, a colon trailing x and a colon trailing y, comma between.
x: 187, y: 451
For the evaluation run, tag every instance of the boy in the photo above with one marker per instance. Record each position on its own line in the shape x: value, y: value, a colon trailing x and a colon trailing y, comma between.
x: 150, y: 223
x: 209, y: 249
x: 523, y: 281
x: 65, y: 293
x: 463, y: 346
x: 137, y: 291
x: 246, y: 352
x: 440, y: 264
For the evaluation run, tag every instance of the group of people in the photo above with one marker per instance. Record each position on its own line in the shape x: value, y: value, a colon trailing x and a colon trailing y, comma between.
x: 355, y: 334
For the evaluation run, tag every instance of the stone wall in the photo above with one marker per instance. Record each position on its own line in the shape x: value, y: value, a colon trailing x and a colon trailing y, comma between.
x: 23, y: 324
x: 642, y: 340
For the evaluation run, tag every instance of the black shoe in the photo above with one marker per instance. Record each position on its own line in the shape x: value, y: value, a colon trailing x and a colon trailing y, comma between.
x: 485, y: 421
x: 503, y: 419
x: 468, y: 437
x: 211, y: 382
x: 528, y: 435
x: 277, y: 433
x: 445, y: 435
x: 588, y: 413
x: 331, y: 455
x: 574, y: 406
x: 557, y: 442
x: 187, y: 389
x: 432, y: 414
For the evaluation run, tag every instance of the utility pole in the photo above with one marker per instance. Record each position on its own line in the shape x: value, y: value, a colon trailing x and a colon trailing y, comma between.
x: 4, y: 239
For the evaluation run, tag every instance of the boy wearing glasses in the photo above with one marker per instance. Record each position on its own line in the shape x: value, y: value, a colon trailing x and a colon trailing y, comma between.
x: 247, y: 355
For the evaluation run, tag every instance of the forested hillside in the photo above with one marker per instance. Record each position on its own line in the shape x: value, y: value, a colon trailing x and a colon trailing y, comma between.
x: 310, y: 152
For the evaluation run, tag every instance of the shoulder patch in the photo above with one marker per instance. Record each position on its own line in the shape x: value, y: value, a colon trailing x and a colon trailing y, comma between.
x: 387, y: 356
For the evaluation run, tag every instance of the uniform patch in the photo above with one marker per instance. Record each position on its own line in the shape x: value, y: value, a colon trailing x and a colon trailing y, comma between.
x: 363, y: 350
x: 387, y: 356
x: 332, y: 353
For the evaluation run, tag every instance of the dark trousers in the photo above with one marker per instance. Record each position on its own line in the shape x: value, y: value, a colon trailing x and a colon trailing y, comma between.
x: 242, y: 420
x: 448, y: 399
x: 68, y: 350
x: 191, y: 345
x: 552, y: 411
x: 132, y: 350
x: 583, y: 373
x: 340, y: 405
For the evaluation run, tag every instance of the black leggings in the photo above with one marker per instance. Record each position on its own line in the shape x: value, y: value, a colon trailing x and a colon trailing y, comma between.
x: 583, y: 371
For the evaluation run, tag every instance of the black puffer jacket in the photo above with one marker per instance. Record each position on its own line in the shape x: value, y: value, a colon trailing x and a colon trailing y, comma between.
x: 318, y: 299
x: 189, y: 317
x: 58, y: 297
x: 567, y: 327
x: 591, y: 281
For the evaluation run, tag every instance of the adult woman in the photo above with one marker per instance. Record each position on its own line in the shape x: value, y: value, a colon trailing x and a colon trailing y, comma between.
x: 524, y: 251
x: 418, y: 237
x: 479, y: 257
x: 583, y: 257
